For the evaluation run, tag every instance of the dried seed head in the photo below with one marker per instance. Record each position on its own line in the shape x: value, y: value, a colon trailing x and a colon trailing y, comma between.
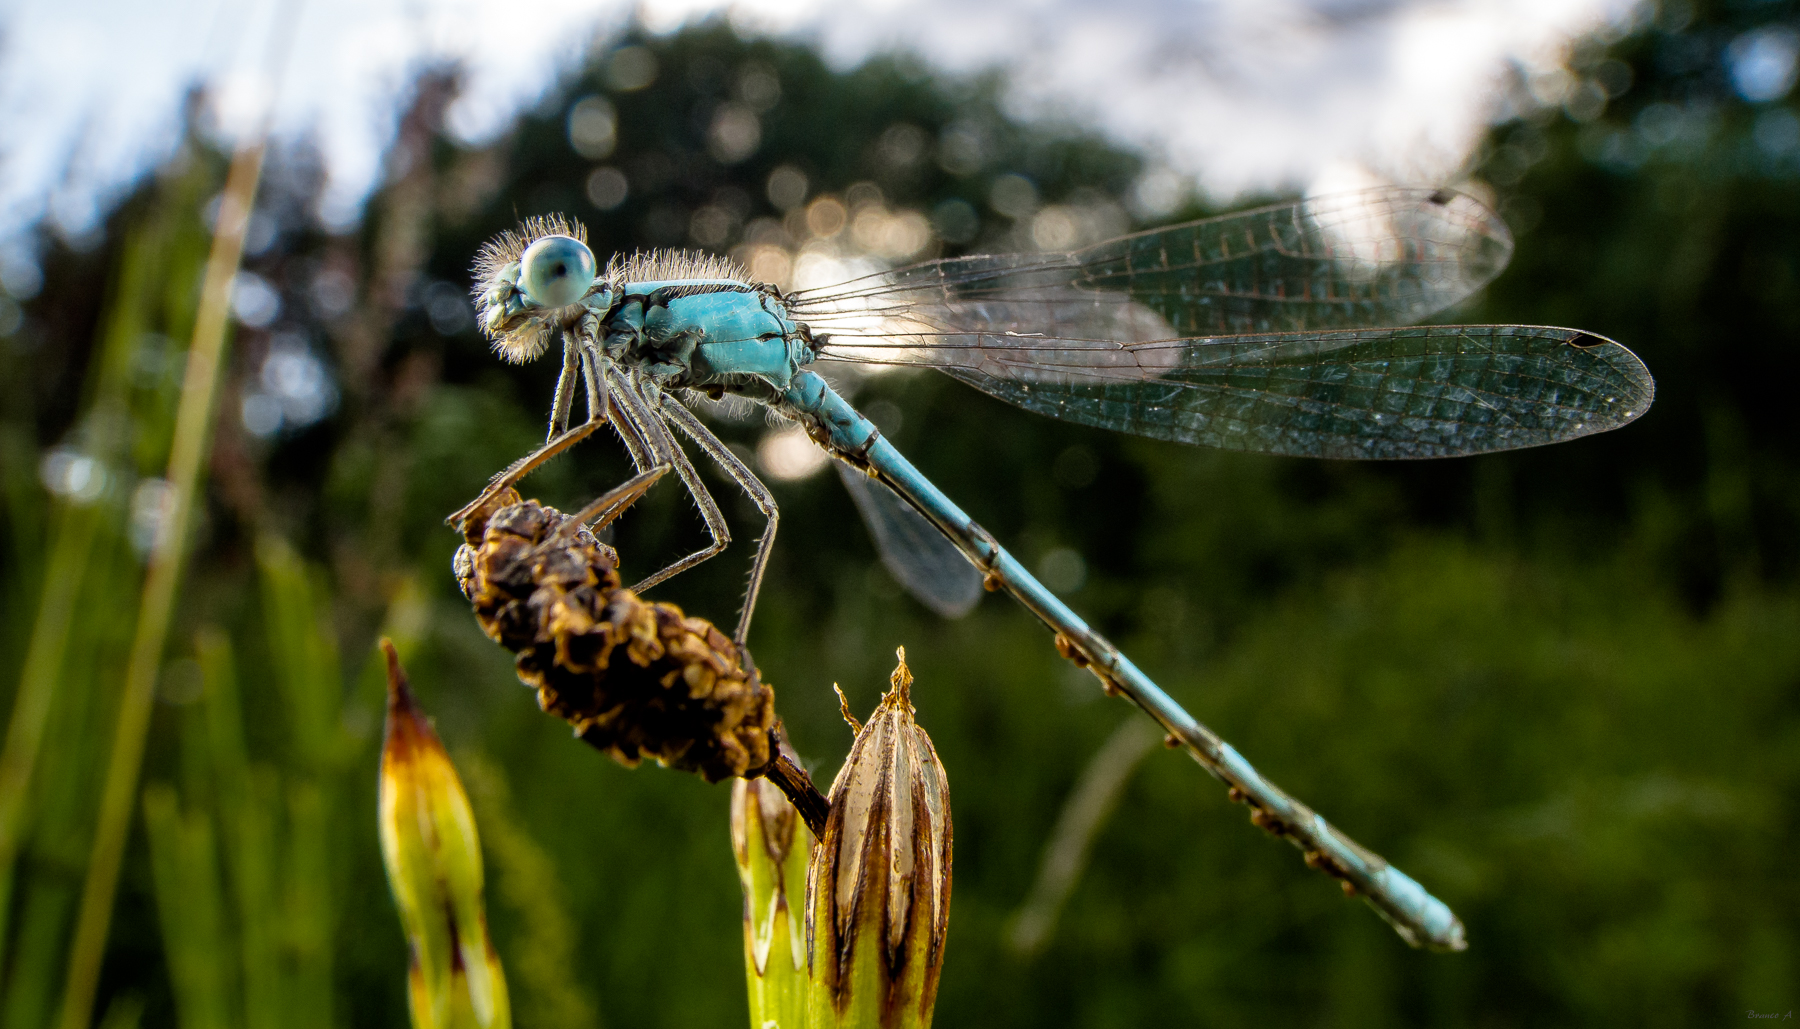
x: 636, y: 679
x: 433, y: 859
x: 878, y: 890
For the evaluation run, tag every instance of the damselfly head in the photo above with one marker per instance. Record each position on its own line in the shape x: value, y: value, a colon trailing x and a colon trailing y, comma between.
x: 524, y: 277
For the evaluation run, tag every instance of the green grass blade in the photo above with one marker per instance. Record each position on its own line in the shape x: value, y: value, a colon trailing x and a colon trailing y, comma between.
x: 106, y: 433
x: 125, y: 1011
x: 43, y: 928
x: 24, y: 497
x: 246, y: 796
x: 543, y: 952
x: 189, y: 903
x: 38, y: 679
x: 304, y: 652
x: 61, y: 795
x: 309, y: 915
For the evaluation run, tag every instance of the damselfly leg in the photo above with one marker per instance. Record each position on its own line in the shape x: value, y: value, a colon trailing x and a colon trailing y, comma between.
x: 600, y: 512
x: 642, y: 411
x: 759, y: 495
x: 525, y: 466
x: 559, y: 438
x: 573, y: 360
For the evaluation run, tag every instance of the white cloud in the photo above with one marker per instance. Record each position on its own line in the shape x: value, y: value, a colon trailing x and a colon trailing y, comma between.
x: 1248, y: 95
x: 1240, y: 95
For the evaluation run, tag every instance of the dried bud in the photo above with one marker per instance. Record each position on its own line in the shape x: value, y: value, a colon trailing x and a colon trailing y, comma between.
x: 433, y: 862
x: 771, y: 845
x: 878, y: 888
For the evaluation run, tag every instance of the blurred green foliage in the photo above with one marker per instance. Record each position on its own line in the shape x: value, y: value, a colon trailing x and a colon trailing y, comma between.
x: 1560, y: 687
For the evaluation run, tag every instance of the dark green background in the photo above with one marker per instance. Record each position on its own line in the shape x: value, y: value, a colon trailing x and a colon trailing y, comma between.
x: 1560, y: 687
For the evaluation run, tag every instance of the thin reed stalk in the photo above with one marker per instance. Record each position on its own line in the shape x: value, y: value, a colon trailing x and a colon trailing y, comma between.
x: 48, y: 768
x: 193, y: 430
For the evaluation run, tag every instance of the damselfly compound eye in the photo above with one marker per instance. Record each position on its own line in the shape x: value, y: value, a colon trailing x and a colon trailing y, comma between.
x: 556, y: 271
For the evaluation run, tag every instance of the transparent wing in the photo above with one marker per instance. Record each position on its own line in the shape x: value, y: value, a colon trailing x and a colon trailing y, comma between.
x: 1378, y: 257
x: 1424, y: 391
x: 917, y: 554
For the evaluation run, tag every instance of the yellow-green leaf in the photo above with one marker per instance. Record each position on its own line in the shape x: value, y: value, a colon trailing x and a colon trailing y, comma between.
x: 433, y: 858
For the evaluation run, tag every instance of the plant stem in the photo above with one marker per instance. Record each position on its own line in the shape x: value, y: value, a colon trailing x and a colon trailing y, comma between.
x: 193, y: 429
x: 793, y: 781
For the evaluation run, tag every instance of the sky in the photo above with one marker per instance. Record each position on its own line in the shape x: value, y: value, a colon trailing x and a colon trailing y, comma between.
x: 1227, y: 96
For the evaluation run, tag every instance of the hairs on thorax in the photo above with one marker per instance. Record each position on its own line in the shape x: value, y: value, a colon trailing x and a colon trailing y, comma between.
x: 661, y: 265
x: 736, y: 409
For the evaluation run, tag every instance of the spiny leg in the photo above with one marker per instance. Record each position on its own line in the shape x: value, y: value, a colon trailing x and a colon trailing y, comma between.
x: 576, y: 355
x: 565, y: 388
x: 666, y: 451
x: 759, y: 494
x: 612, y: 382
x: 609, y: 506
x: 525, y: 466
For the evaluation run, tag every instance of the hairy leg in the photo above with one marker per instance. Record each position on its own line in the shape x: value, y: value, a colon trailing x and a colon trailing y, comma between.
x: 715, y: 448
x: 610, y: 505
x: 565, y: 389
x: 647, y: 423
x: 525, y: 466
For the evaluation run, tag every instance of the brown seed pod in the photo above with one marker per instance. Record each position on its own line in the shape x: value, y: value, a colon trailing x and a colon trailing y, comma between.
x: 635, y: 678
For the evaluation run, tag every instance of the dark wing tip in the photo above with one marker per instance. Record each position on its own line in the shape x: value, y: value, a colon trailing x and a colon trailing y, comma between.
x: 1588, y: 341
x: 1639, y: 386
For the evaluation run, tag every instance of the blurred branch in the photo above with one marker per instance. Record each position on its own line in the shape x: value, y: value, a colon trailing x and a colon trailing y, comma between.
x: 1095, y: 795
